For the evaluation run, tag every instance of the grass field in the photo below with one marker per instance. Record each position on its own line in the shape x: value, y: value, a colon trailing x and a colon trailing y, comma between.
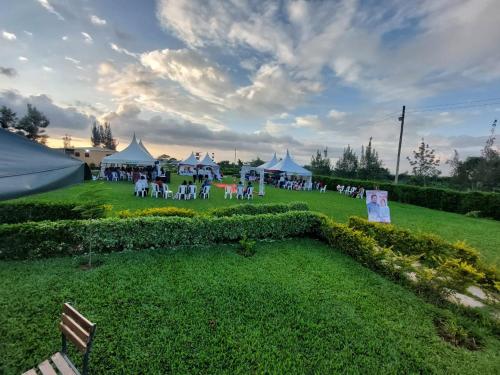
x: 295, y: 307
x: 483, y: 234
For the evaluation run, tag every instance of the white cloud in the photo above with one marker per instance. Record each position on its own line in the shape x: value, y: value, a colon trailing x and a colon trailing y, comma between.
x: 193, y: 72
x: 28, y: 33
x: 50, y: 8
x: 8, y: 36
x: 47, y: 69
x: 119, y: 49
x: 336, y: 115
x: 97, y: 21
x: 64, y: 38
x: 70, y: 59
x: 87, y: 38
x: 23, y: 59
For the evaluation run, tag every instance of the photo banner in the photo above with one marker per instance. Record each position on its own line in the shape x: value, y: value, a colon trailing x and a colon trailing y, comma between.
x: 378, y: 206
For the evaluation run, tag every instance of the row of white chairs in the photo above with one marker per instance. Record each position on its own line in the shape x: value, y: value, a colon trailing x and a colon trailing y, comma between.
x: 240, y: 192
x: 350, y: 190
x: 184, y: 192
x: 292, y: 185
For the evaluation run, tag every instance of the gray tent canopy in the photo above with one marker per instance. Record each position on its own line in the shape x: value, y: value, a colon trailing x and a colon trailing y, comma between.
x: 134, y: 154
x: 27, y: 167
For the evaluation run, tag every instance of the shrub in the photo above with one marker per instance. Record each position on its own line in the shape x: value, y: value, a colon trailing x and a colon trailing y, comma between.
x: 158, y: 211
x: 247, y: 247
x: 74, y: 237
x: 20, y: 211
x: 257, y: 209
x: 488, y: 204
x: 428, y: 246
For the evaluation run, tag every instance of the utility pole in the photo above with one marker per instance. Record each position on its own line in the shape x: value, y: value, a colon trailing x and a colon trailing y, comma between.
x: 402, y: 119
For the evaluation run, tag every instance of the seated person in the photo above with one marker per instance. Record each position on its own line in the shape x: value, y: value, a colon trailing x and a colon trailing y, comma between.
x: 245, y: 193
x: 140, y: 185
x: 161, y: 186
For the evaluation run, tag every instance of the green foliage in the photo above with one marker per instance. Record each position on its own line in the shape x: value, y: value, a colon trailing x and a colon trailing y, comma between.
x: 370, y: 165
x: 347, y: 165
x: 33, y: 124
x: 72, y: 237
x: 257, y: 209
x: 247, y: 247
x: 320, y: 163
x: 424, y: 162
x: 450, y: 330
x: 21, y: 211
x: 158, y: 211
x: 440, y: 199
x: 8, y: 118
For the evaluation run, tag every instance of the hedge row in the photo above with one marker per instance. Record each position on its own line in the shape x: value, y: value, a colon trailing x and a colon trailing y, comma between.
x: 158, y: 211
x: 432, y: 250
x: 428, y: 246
x: 488, y: 204
x: 20, y: 212
x: 258, y: 209
x: 71, y: 237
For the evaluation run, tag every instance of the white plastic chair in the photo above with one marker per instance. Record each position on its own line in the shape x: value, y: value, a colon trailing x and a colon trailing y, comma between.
x: 289, y: 185
x: 181, y: 192
x: 205, y: 194
x: 250, y: 192
x: 154, y: 190
x: 323, y: 189
x: 167, y: 193
x: 347, y: 190
x: 341, y: 190
x: 114, y: 176
x: 228, y: 192
x: 192, y: 192
x: 239, y: 192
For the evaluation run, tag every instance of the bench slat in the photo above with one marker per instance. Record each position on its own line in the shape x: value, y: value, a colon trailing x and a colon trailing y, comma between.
x: 80, y: 332
x: 70, y: 335
x: 77, y: 317
x: 30, y: 372
x: 46, y: 368
x: 62, y: 365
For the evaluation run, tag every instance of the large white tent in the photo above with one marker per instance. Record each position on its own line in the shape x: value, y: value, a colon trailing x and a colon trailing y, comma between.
x: 134, y: 154
x: 188, y: 165
x: 208, y: 165
x: 268, y: 164
x: 289, y: 166
x: 27, y: 167
x: 144, y: 148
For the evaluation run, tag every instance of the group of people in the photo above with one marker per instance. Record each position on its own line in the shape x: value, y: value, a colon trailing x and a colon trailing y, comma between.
x: 186, y: 190
x: 292, y: 183
x: 133, y: 174
x: 201, y: 174
x: 351, y: 191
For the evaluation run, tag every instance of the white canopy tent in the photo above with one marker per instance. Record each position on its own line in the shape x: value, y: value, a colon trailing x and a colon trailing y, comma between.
x: 133, y: 154
x: 288, y: 166
x: 144, y: 148
x: 207, y: 164
x: 261, y: 168
x: 268, y: 164
x: 188, y: 165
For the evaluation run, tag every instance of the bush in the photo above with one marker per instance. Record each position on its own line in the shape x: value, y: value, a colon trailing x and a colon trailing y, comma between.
x: 247, y: 247
x: 488, y: 204
x: 74, y: 237
x: 20, y: 212
x: 257, y: 209
x: 158, y: 211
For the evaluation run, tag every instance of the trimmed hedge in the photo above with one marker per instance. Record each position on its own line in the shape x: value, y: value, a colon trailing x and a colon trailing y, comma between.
x: 258, y: 209
x: 20, y: 212
x: 71, y: 237
x: 158, y: 211
x: 440, y: 199
x: 428, y: 246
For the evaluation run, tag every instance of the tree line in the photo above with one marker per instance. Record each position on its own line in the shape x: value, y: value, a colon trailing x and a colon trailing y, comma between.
x: 32, y: 125
x: 101, y: 135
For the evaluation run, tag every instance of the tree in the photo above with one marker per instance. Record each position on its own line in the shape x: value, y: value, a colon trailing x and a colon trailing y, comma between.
x: 347, y: 165
x: 95, y: 136
x: 425, y: 163
x: 320, y: 163
x: 33, y: 125
x: 8, y: 118
x: 256, y: 162
x: 107, y: 139
x: 370, y: 165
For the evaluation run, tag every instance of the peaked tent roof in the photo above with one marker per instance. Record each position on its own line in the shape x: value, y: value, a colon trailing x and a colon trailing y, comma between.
x: 270, y: 163
x: 208, y: 162
x: 288, y: 165
x: 190, y: 160
x: 145, y: 149
x: 27, y: 167
x: 133, y: 154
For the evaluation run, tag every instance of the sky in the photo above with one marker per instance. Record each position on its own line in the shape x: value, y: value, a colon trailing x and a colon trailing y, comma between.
x: 257, y: 76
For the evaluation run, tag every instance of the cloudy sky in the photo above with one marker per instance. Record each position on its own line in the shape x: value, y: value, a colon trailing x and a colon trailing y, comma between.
x: 258, y: 76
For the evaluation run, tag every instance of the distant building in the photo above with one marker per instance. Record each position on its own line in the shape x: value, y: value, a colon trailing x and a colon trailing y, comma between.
x: 90, y: 155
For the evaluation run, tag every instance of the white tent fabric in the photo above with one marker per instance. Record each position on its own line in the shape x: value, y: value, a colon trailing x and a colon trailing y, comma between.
x: 134, y: 154
x: 144, y: 148
x: 208, y: 162
x: 27, y: 167
x: 269, y: 164
x: 289, y: 166
x: 190, y: 161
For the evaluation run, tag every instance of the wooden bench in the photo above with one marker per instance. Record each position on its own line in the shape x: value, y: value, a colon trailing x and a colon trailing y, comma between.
x: 78, y: 330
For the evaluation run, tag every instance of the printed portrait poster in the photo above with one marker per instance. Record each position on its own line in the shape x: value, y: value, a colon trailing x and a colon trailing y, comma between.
x: 378, y: 206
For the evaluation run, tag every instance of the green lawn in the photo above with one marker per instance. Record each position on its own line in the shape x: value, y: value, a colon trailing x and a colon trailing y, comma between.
x: 295, y: 307
x: 481, y: 233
